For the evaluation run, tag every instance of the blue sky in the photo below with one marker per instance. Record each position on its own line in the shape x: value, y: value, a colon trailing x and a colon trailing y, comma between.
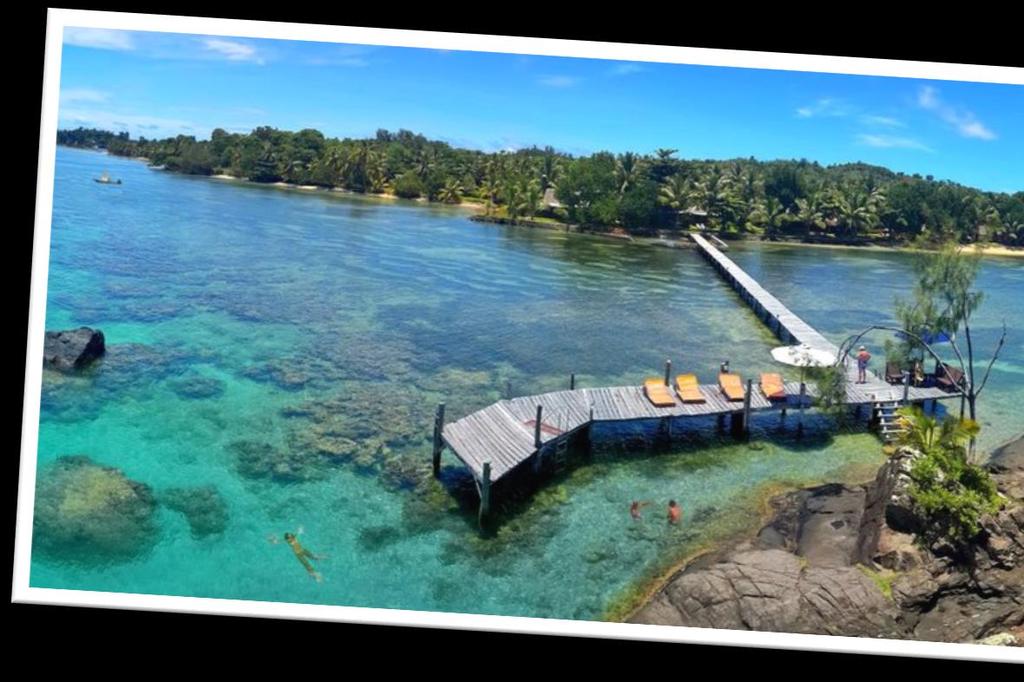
x: 160, y: 85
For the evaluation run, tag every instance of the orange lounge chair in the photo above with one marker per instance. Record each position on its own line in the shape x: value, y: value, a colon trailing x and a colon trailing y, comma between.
x: 657, y: 392
x: 731, y: 386
x: 773, y: 387
x: 687, y: 388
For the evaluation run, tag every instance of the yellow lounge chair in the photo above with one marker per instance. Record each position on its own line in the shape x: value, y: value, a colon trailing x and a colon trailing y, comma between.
x: 772, y: 386
x: 731, y: 386
x: 657, y: 392
x: 688, y: 389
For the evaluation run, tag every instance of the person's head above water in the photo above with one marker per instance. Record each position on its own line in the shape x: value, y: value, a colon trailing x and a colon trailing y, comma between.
x: 672, y: 503
x: 289, y: 536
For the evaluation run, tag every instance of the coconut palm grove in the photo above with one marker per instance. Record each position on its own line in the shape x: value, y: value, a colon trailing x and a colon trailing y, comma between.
x: 631, y: 192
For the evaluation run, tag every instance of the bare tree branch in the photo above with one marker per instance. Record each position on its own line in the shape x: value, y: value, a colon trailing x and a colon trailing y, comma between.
x: 995, y: 356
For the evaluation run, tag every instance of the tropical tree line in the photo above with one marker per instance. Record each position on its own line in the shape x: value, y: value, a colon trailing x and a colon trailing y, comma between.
x: 604, y: 191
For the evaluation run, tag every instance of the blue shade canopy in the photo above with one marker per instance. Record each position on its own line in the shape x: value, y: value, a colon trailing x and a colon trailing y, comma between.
x: 929, y: 337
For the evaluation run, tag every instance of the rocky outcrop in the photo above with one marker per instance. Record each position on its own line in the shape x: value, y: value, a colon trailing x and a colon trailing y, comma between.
x: 774, y: 590
x: 73, y: 349
x: 91, y: 513
x: 848, y: 561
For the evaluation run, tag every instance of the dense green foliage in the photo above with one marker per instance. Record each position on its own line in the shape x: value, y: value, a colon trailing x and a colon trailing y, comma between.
x: 849, y: 202
x: 948, y: 491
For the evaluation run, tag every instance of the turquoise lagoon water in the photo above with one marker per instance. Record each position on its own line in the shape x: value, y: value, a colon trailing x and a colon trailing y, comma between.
x: 328, y: 328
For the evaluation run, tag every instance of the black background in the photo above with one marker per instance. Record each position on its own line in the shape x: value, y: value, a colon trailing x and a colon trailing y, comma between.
x: 132, y: 643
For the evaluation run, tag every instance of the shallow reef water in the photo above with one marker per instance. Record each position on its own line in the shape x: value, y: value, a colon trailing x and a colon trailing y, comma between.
x: 275, y: 361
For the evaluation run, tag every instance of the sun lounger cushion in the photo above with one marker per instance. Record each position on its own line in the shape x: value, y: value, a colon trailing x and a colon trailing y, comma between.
x: 772, y: 386
x: 657, y: 392
x: 688, y: 389
x: 731, y: 386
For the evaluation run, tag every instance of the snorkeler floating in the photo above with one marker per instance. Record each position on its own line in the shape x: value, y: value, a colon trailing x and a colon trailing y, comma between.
x: 301, y: 553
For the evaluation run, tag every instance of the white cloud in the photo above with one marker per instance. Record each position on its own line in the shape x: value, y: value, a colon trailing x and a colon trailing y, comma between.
x: 75, y: 95
x: 883, y: 121
x: 558, y: 81
x: 826, y: 106
x: 965, y: 122
x: 233, y: 50
x: 892, y: 142
x: 626, y: 69
x: 101, y: 38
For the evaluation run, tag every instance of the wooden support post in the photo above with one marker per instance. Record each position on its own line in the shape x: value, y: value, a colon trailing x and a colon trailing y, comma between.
x: 803, y: 392
x: 572, y: 382
x: 906, y: 386
x: 438, y: 438
x: 485, y: 495
x: 668, y: 372
x: 746, y: 406
x: 536, y: 427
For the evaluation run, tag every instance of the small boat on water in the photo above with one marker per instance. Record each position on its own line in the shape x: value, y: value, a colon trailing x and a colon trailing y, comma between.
x: 106, y: 180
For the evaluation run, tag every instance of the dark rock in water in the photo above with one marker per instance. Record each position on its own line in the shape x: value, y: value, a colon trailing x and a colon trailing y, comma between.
x: 203, y: 507
x: 262, y: 460
x: 72, y: 349
x: 197, y: 387
x: 376, y: 538
x: 88, y: 512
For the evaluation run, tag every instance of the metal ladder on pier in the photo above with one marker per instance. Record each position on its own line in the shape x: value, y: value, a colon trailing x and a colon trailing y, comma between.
x: 888, y: 421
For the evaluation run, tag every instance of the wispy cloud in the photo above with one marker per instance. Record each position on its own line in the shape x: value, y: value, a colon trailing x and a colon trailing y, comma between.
x: 892, y: 142
x: 77, y: 95
x: 101, y: 38
x: 883, y: 121
x: 965, y: 122
x: 826, y: 106
x: 558, y: 81
x: 233, y: 50
x: 626, y: 69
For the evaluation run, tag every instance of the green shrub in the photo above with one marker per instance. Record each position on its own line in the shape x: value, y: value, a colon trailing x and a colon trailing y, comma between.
x: 409, y: 186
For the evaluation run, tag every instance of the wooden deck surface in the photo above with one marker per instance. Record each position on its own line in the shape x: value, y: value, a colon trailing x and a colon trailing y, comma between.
x: 504, y: 433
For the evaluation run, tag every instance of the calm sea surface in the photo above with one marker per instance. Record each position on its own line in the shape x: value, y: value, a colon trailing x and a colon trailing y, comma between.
x: 246, y: 322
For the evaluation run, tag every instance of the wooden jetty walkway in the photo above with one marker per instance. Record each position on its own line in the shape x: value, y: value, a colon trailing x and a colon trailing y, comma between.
x: 500, y: 438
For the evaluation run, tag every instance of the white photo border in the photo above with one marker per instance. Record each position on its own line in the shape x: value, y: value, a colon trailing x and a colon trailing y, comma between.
x: 58, y: 19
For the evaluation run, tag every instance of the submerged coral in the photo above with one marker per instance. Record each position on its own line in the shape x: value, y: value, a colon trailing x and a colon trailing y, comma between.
x: 203, y: 506
x: 88, y: 512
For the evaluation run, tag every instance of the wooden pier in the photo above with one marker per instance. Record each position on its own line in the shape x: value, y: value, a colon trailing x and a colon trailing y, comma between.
x: 500, y: 438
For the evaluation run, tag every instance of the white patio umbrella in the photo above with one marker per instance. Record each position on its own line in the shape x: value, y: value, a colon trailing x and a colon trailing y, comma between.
x: 803, y: 356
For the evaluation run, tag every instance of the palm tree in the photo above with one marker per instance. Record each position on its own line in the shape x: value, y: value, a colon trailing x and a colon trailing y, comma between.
x: 550, y: 169
x: 675, y: 194
x: 627, y: 170
x: 855, y: 214
x: 451, y: 193
x: 809, y: 212
x: 771, y: 215
x: 489, y: 191
x: 928, y: 435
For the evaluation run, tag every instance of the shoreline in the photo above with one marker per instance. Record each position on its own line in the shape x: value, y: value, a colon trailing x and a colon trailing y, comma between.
x: 986, y: 250
x: 771, y: 493
x: 767, y: 507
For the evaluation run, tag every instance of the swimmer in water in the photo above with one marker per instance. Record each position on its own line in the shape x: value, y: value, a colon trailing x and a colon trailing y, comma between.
x: 675, y: 512
x: 634, y: 509
x: 302, y: 554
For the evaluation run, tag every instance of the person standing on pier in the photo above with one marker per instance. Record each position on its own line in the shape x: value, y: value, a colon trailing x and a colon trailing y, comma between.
x: 863, y: 358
